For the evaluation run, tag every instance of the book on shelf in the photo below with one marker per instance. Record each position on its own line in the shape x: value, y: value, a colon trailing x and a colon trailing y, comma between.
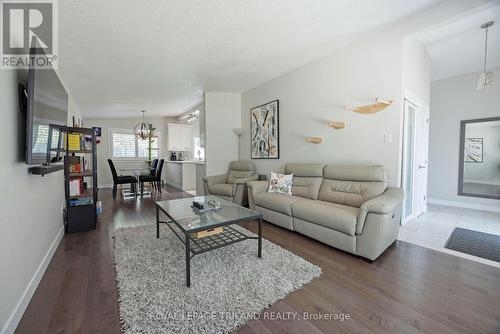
x: 74, y: 142
x: 75, y: 187
x: 81, y: 201
x: 74, y: 164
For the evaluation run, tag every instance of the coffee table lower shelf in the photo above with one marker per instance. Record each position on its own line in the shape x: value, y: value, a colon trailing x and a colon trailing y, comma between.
x: 195, y: 246
x: 211, y: 242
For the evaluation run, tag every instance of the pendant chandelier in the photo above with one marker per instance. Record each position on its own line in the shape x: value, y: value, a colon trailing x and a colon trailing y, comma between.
x: 143, y: 130
x: 485, y: 78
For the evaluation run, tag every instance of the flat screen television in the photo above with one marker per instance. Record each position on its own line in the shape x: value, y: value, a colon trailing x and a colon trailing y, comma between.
x: 47, y: 103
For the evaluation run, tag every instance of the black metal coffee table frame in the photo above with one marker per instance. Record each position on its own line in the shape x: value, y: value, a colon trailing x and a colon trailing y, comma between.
x: 196, y: 246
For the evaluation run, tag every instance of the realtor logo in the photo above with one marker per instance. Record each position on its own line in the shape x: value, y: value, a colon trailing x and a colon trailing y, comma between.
x: 25, y: 25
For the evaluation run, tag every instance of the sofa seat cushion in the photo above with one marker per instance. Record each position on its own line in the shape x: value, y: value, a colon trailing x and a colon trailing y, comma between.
x: 339, y: 217
x: 277, y: 202
x: 222, y: 189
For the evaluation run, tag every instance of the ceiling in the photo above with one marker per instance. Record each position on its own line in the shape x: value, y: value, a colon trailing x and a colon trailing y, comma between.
x: 458, y: 48
x: 118, y: 57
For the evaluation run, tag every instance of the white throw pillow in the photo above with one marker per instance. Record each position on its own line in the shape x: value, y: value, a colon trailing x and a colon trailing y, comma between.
x: 280, y: 183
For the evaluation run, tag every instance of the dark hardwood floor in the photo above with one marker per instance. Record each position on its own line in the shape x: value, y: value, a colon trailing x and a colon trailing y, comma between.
x: 410, y: 289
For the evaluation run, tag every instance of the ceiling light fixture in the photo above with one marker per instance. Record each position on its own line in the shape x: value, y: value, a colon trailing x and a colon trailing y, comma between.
x: 485, y: 78
x: 143, y: 130
x: 192, y: 115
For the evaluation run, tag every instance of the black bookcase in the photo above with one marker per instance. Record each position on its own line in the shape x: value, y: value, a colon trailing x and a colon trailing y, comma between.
x: 79, y: 149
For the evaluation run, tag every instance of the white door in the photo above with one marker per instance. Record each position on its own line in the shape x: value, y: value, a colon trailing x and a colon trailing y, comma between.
x: 415, y: 157
x: 421, y: 156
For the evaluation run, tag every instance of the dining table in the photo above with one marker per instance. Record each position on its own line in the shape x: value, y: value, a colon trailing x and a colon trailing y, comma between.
x: 136, y: 172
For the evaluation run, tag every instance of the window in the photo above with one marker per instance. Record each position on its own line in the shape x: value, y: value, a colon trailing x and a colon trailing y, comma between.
x: 142, y: 146
x: 125, y: 145
x: 199, y: 152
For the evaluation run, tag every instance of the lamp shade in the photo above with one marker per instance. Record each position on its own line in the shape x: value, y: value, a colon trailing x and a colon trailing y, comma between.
x: 239, y: 132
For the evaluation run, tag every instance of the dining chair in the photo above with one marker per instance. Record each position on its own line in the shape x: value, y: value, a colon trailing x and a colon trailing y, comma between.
x: 152, y: 169
x: 153, y: 179
x: 121, y: 179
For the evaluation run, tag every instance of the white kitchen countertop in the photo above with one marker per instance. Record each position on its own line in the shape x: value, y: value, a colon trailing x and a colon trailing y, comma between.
x: 186, y: 162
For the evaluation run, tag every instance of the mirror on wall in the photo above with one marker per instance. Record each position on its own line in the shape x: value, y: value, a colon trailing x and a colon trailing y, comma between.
x: 479, y: 174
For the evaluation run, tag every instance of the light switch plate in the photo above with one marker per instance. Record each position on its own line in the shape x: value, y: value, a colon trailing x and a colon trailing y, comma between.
x: 388, y: 138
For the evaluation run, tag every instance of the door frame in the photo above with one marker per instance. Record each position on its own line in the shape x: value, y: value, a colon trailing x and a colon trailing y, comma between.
x: 422, y: 108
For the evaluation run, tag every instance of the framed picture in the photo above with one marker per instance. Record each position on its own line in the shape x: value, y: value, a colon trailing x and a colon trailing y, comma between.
x: 97, y: 131
x: 473, y: 150
x: 264, y: 131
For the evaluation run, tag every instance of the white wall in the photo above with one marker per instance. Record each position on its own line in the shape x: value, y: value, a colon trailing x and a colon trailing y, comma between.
x: 223, y: 114
x: 30, y: 213
x: 389, y: 64
x: 453, y: 100
x: 104, y: 177
x: 416, y: 74
x: 317, y: 93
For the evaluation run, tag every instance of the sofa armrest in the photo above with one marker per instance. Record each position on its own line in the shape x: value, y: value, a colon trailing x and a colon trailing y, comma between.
x: 216, y: 179
x: 244, y: 180
x: 254, y: 188
x: 209, y: 181
x: 387, y: 203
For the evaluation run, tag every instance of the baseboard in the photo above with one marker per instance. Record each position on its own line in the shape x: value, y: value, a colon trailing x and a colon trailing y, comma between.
x: 176, y: 186
x: 474, y: 206
x: 23, y: 302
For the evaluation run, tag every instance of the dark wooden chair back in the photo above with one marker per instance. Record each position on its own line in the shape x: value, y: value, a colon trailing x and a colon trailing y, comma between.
x: 154, y: 164
x: 159, y: 169
x: 113, y: 169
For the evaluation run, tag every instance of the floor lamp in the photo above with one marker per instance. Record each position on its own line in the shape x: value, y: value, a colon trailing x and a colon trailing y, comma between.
x: 239, y: 132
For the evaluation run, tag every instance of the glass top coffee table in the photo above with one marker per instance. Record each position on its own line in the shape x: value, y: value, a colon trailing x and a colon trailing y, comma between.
x: 203, y: 232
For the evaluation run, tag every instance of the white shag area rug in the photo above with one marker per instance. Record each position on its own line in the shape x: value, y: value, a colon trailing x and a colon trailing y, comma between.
x: 229, y: 285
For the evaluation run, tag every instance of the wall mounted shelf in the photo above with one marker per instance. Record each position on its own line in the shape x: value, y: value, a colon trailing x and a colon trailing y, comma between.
x: 371, y: 108
x: 336, y: 125
x: 314, y: 140
x: 45, y: 169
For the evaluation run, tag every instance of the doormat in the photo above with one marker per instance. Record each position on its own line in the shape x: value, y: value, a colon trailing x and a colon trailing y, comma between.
x: 484, y: 245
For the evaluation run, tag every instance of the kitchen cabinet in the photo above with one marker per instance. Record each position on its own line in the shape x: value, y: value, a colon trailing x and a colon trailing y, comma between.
x: 173, y: 174
x: 181, y: 174
x: 179, y: 137
x: 200, y: 174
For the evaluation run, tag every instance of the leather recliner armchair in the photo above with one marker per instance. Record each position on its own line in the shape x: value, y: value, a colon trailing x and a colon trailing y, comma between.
x: 232, y: 186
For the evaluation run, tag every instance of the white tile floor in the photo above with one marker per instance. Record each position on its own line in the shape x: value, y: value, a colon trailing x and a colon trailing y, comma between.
x: 433, y: 228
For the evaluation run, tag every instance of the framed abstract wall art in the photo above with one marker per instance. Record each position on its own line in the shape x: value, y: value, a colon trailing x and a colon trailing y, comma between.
x: 264, y: 131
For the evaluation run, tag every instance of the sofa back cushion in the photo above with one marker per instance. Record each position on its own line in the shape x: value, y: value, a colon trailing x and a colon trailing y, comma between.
x: 242, y: 165
x: 307, y: 179
x: 240, y: 169
x: 352, y: 185
x: 234, y: 175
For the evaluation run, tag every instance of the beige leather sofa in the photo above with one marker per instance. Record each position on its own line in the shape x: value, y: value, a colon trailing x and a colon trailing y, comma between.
x: 347, y: 207
x: 232, y: 186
